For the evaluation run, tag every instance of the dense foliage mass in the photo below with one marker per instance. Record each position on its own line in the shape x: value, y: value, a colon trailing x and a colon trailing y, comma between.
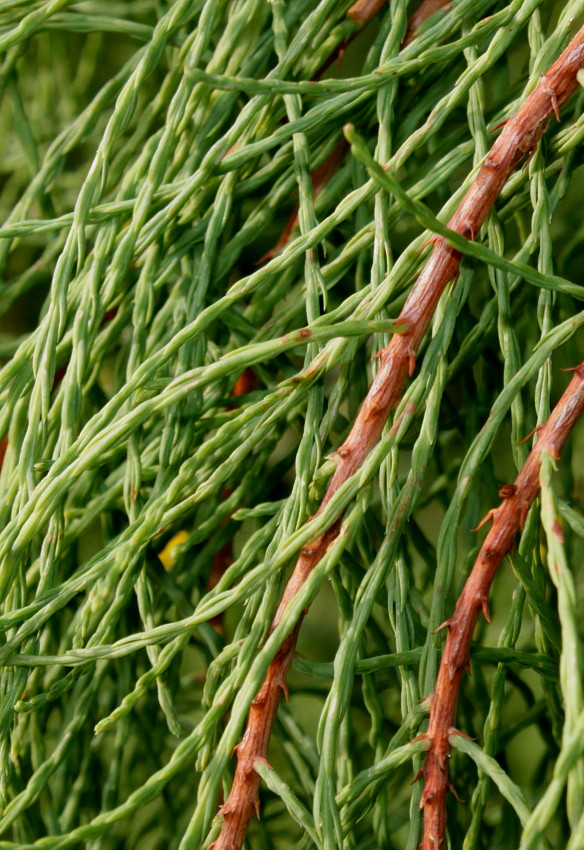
x: 195, y: 277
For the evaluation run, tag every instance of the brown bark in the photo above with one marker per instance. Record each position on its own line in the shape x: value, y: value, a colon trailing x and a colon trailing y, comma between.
x: 320, y: 177
x: 508, y: 519
x: 397, y: 361
x: 422, y: 13
x: 363, y: 11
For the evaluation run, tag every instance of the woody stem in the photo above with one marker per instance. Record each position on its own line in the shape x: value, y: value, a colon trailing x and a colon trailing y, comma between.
x: 518, y: 139
x: 507, y: 521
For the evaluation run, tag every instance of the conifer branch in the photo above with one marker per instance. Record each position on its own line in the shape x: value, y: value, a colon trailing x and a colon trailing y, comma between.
x: 422, y: 13
x: 518, y: 139
x: 320, y: 177
x: 364, y: 11
x: 132, y: 480
x: 507, y: 521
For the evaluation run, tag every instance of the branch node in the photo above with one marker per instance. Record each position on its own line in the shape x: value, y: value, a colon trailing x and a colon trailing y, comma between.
x: 447, y: 624
x: 468, y: 231
x: 431, y: 241
x: 227, y: 808
x: 423, y: 737
x: 499, y: 125
x: 553, y: 98
x: 452, y: 669
x: 426, y: 797
x: 525, y: 505
x: 419, y: 774
x: 453, y: 731
x: 256, y: 806
x: 491, y: 162
x: 281, y: 683
x: 490, y: 516
x: 411, y: 362
x: 452, y: 790
x: 531, y: 433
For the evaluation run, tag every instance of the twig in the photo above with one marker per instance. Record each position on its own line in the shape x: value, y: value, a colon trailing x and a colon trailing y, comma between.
x: 422, y: 13
x: 508, y: 519
x: 397, y: 361
x: 364, y: 11
x: 361, y: 13
x: 320, y: 177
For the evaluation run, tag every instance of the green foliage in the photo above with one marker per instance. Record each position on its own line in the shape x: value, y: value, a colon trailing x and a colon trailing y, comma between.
x: 153, y: 152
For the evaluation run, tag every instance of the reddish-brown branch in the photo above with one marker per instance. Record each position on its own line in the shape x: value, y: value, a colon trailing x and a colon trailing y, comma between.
x: 422, y: 13
x: 320, y: 178
x: 360, y: 13
x: 397, y: 361
x: 363, y: 11
x: 508, y: 519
